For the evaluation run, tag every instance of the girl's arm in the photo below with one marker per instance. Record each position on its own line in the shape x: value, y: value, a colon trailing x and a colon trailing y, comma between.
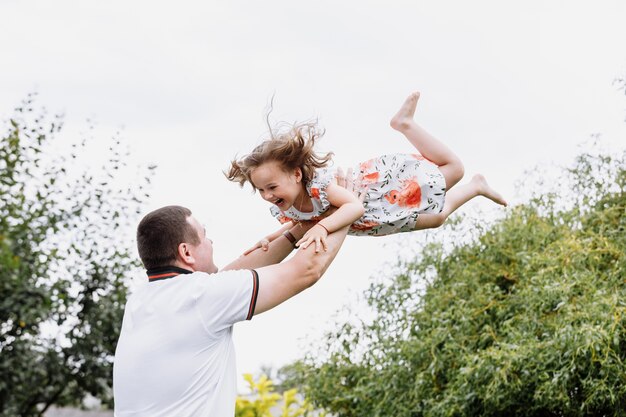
x: 278, y: 250
x: 349, y: 209
x: 264, y: 243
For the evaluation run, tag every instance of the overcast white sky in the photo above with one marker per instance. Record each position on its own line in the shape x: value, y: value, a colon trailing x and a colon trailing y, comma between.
x: 507, y: 85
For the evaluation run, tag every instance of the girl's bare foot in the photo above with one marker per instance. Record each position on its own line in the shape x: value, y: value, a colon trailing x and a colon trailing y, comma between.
x: 404, y: 117
x: 486, y: 191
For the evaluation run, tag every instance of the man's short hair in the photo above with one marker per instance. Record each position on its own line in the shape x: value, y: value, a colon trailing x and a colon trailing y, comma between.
x: 160, y: 232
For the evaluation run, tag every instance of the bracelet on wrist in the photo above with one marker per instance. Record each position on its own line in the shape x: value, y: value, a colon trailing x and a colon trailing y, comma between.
x: 290, y: 237
x: 324, y: 227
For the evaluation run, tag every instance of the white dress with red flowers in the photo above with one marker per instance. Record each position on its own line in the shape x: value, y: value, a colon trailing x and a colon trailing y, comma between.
x: 400, y: 188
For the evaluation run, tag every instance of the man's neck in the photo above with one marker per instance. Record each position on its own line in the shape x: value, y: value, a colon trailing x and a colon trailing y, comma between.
x: 179, y: 264
x: 165, y: 272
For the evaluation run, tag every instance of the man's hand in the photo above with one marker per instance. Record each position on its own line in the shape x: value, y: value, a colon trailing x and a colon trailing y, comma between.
x: 350, y: 183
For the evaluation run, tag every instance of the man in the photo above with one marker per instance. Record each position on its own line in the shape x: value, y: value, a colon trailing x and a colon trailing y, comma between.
x: 175, y: 355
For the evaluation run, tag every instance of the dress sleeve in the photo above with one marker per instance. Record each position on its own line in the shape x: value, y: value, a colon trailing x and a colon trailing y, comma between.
x: 318, y: 185
x: 281, y: 216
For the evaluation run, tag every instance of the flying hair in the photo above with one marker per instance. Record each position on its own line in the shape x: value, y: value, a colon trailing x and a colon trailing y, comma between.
x: 291, y: 145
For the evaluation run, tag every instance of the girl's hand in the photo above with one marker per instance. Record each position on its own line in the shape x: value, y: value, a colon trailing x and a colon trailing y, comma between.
x: 316, y: 234
x: 263, y: 244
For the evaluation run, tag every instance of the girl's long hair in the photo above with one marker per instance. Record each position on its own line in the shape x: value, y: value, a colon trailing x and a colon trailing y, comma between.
x: 291, y: 145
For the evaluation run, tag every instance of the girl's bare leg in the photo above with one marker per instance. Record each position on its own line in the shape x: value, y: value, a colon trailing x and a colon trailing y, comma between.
x: 456, y: 197
x: 431, y: 148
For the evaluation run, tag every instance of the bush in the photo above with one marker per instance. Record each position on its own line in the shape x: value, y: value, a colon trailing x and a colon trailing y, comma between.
x: 529, y: 319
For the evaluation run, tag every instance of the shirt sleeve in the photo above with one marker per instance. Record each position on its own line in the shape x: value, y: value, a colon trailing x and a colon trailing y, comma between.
x: 226, y: 298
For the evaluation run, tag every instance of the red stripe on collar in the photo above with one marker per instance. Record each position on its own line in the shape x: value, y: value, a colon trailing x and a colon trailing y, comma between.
x: 165, y: 272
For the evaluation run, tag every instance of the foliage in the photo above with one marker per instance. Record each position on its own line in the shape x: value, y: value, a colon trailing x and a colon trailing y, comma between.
x: 63, y: 256
x: 267, y: 399
x: 529, y: 319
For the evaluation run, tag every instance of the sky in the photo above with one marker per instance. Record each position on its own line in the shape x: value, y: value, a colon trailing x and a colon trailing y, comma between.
x: 509, y: 86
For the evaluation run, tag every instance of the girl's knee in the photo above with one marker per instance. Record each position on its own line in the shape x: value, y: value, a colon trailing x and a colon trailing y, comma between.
x: 453, y: 172
x: 430, y: 221
x: 461, y: 170
x: 458, y: 170
x: 439, y: 219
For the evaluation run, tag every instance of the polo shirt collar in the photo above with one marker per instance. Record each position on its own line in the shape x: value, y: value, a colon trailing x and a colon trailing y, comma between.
x: 165, y: 272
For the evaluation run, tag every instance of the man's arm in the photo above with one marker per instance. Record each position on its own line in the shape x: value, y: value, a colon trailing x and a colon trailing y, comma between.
x: 278, y: 250
x: 264, y: 243
x: 278, y: 283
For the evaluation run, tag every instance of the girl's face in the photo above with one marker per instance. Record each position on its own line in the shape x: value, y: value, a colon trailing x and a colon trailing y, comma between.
x: 279, y: 187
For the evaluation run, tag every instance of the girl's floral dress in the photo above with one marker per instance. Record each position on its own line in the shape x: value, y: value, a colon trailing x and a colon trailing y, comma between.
x: 400, y: 188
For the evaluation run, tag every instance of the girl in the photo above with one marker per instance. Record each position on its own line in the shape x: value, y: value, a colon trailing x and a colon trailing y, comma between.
x: 405, y: 192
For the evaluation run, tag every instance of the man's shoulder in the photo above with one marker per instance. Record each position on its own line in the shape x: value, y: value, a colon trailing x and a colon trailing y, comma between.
x: 226, y: 278
x: 223, y: 274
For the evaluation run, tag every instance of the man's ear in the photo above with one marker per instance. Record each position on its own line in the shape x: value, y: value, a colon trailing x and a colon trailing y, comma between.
x: 185, y: 254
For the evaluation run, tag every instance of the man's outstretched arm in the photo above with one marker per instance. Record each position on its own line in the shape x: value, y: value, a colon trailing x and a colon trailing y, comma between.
x: 278, y: 250
x: 278, y: 283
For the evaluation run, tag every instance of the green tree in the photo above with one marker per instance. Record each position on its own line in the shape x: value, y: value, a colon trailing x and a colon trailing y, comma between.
x: 527, y: 319
x: 64, y: 254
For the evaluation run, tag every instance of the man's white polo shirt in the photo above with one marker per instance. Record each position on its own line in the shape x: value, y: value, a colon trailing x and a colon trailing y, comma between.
x: 175, y: 355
